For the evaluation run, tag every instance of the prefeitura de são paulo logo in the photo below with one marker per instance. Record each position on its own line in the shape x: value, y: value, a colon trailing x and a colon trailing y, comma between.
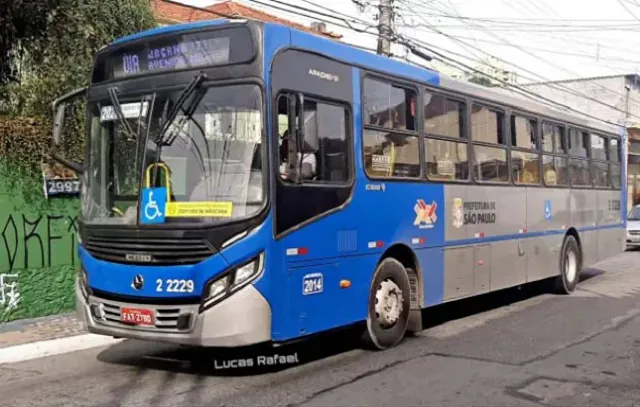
x: 425, y: 214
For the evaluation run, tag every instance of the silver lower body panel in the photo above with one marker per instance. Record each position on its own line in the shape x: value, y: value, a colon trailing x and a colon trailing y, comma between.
x: 240, y: 320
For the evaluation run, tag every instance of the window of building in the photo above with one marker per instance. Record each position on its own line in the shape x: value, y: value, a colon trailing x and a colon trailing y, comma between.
x: 389, y: 106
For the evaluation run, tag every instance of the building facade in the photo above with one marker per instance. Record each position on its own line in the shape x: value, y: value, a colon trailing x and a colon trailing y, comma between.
x: 613, y: 98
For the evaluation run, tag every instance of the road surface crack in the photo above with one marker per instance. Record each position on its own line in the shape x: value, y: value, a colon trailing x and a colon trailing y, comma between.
x: 353, y: 380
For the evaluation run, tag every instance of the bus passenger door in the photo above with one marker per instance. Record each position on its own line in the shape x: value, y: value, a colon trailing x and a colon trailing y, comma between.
x: 308, y: 202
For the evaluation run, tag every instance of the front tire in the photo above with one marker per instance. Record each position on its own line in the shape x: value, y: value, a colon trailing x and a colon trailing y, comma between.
x: 570, y: 266
x: 389, y: 306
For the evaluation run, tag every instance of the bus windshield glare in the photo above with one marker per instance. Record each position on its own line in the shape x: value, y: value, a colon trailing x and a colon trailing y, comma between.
x: 209, y: 153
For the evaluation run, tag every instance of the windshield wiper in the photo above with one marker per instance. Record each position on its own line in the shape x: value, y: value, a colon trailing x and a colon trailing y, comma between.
x: 167, y: 120
x: 118, y: 111
x: 182, y: 99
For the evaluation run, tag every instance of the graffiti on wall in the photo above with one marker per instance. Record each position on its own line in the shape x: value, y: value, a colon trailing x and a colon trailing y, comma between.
x: 39, y: 241
x: 34, y: 251
x: 9, y: 295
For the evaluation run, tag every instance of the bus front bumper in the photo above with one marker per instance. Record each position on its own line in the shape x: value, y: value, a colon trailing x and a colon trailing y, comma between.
x: 240, y: 320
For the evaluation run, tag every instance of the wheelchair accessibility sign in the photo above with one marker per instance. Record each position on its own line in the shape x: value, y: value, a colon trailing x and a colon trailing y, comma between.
x: 154, y: 202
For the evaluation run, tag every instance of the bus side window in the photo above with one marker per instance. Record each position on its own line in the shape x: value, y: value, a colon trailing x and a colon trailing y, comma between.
x: 390, y: 142
x: 324, y: 155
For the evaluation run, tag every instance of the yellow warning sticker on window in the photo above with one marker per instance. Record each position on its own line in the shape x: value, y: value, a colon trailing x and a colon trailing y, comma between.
x: 199, y: 209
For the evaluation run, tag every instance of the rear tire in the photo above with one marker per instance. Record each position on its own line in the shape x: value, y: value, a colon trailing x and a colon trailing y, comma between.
x: 389, y: 306
x: 570, y: 266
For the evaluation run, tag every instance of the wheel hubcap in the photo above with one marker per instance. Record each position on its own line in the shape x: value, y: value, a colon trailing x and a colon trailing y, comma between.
x: 571, y: 266
x: 388, y: 303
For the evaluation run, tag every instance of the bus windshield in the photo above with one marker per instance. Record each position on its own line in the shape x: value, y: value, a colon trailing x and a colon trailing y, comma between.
x: 209, y: 153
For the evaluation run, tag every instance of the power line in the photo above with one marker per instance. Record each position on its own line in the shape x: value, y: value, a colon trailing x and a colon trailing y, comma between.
x: 550, y: 51
x: 559, y: 87
x: 408, y: 42
x: 628, y: 9
x: 574, y: 92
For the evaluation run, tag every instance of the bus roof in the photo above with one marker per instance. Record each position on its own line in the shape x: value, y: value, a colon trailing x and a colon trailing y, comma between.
x: 392, y: 67
x: 175, y: 28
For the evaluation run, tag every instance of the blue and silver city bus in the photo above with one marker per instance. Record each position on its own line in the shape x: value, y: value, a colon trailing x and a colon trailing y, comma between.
x: 248, y: 183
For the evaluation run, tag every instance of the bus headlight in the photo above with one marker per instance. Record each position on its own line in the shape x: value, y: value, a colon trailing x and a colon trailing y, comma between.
x: 224, y: 285
x: 84, y: 283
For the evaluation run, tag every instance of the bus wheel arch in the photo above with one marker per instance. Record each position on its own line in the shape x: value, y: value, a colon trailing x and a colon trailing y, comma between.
x: 405, y: 255
x: 570, y: 263
x: 401, y: 263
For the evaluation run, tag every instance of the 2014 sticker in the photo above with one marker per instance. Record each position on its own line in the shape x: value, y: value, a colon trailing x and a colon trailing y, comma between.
x: 312, y: 283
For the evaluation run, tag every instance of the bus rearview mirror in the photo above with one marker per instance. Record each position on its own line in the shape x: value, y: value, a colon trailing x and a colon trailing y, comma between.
x: 58, y: 121
x: 59, y: 107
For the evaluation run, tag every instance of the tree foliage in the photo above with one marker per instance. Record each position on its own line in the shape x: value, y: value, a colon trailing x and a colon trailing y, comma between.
x: 61, y: 59
x: 21, y: 22
x: 480, y: 80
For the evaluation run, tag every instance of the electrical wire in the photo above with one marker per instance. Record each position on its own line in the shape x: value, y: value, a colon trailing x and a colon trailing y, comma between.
x: 408, y: 42
x: 572, y: 91
x: 559, y: 87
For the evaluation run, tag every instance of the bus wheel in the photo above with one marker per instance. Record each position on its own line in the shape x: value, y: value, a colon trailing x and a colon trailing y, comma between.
x: 389, y: 306
x: 570, y: 266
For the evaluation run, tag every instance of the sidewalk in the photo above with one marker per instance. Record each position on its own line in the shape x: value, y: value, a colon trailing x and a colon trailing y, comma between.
x: 39, y: 329
x: 35, y: 338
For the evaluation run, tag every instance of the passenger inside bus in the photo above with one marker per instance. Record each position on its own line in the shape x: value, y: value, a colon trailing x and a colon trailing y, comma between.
x: 308, y: 157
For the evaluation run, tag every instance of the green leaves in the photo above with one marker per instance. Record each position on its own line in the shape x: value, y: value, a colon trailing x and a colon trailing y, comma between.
x: 56, y: 54
x: 21, y: 21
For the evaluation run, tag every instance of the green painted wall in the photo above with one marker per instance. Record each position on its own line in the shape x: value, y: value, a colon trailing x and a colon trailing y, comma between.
x: 38, y: 248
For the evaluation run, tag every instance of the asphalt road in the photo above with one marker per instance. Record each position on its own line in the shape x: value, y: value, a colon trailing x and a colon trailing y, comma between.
x: 518, y: 347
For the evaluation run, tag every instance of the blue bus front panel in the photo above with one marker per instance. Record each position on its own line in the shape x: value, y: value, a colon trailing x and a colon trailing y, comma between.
x: 158, y: 304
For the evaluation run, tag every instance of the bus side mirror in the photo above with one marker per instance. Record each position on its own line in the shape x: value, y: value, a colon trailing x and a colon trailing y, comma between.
x: 59, y: 107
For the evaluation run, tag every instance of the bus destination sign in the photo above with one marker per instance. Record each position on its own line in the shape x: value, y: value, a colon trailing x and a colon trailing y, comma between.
x: 182, y: 51
x: 173, y: 55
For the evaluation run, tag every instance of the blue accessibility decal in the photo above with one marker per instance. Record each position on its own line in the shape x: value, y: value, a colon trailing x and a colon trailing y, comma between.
x: 547, y: 209
x: 154, y: 201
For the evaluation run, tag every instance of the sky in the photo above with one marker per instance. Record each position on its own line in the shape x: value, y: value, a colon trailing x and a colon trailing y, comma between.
x: 541, y: 40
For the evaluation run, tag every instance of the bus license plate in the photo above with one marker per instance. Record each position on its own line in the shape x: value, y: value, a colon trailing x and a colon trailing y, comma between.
x: 137, y: 316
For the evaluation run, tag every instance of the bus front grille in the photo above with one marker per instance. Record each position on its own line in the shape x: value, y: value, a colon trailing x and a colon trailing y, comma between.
x: 177, y: 319
x: 160, y: 252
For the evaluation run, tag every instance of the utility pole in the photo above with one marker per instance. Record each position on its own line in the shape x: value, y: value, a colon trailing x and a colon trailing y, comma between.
x: 385, y: 24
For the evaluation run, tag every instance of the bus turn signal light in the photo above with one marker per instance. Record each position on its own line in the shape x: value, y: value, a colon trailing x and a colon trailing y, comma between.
x: 345, y: 283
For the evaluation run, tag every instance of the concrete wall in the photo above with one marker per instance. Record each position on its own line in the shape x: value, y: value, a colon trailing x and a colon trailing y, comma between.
x: 38, y: 245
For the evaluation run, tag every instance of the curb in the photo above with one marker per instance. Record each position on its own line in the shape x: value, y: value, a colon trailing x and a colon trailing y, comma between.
x: 41, y: 349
